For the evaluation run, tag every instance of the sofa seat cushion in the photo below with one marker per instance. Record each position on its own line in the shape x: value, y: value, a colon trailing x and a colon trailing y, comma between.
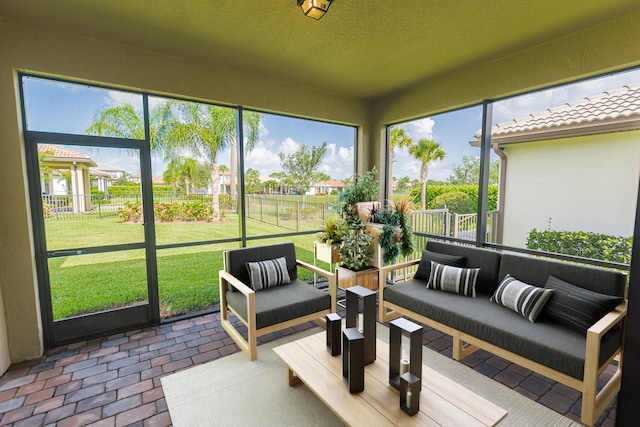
x: 282, y: 303
x: 545, y: 342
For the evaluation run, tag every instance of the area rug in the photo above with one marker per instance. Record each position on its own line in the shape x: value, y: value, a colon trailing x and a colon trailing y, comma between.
x: 233, y: 391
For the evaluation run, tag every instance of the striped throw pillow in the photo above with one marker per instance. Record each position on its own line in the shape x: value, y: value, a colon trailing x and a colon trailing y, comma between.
x: 268, y: 273
x: 528, y: 300
x: 453, y: 279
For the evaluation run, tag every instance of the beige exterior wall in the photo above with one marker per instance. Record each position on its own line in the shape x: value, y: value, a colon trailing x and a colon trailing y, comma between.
x: 583, y: 184
x: 25, y: 47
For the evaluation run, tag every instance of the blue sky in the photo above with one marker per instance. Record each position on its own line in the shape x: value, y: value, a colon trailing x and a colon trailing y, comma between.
x: 70, y: 108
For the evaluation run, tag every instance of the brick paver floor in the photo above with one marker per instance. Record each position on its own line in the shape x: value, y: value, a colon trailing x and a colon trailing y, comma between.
x: 115, y: 381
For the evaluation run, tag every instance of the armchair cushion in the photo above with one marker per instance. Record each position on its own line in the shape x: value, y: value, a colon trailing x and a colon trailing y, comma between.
x: 268, y: 273
x: 282, y: 303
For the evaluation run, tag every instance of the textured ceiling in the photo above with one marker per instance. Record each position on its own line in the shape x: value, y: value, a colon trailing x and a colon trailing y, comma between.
x: 361, y: 48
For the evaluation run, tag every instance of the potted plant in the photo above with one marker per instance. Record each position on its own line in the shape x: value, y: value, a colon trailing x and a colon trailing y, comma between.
x: 356, y: 251
x: 359, y: 197
x: 392, y: 232
x: 327, y: 247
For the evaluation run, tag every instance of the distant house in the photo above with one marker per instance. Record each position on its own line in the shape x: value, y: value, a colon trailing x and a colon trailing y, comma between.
x: 326, y: 187
x: 65, y: 172
x: 572, y: 167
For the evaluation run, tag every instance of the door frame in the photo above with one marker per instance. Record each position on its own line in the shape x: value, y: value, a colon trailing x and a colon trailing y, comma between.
x: 60, y: 332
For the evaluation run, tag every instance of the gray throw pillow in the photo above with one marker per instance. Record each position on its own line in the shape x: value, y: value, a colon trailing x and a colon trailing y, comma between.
x: 576, y: 307
x: 424, y: 268
x: 268, y: 273
x: 453, y: 279
x: 528, y: 300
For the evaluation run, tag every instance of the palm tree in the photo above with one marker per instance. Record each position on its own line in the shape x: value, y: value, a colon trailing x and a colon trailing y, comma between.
x: 121, y: 120
x: 251, y: 128
x: 398, y: 138
x: 426, y: 150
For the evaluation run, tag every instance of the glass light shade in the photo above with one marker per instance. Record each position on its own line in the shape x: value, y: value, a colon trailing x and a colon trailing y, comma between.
x: 314, y: 8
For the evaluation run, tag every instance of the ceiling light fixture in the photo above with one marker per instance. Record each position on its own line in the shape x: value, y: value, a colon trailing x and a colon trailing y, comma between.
x: 314, y: 8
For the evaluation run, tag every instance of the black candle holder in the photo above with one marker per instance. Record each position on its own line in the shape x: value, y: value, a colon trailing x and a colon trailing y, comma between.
x: 353, y: 296
x: 410, y: 387
x: 353, y: 360
x: 396, y: 328
x: 334, y: 326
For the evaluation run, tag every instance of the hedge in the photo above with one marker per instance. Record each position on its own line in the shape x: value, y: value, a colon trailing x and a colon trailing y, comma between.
x: 584, y: 244
x: 434, y: 191
x: 118, y: 190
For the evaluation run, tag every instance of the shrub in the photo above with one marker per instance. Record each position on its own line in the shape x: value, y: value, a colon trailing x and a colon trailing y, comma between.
x: 167, y: 212
x: 456, y: 201
x: 434, y: 191
x: 131, y: 212
x: 584, y: 244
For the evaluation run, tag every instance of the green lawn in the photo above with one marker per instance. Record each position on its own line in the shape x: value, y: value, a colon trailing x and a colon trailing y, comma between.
x: 187, y: 277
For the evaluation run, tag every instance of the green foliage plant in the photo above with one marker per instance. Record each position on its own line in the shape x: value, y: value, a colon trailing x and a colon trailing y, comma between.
x: 334, y: 228
x: 361, y: 188
x: 392, y: 219
x: 584, y: 244
x: 355, y: 248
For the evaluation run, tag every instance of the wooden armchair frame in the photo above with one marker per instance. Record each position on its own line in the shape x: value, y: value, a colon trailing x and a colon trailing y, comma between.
x: 249, y: 345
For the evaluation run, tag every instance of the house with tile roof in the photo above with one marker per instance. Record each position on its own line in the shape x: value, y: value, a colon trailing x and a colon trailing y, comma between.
x: 326, y: 187
x: 55, y: 161
x: 571, y: 167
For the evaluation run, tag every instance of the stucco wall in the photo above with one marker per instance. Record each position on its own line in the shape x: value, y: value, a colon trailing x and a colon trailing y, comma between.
x: 582, y: 184
x: 28, y: 48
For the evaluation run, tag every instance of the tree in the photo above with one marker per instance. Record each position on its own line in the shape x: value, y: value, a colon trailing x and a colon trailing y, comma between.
x: 204, y: 130
x: 404, y: 183
x: 300, y: 167
x: 121, y: 120
x: 398, y: 138
x: 252, y: 182
x: 250, y: 128
x: 187, y: 173
x: 427, y: 151
x: 468, y: 172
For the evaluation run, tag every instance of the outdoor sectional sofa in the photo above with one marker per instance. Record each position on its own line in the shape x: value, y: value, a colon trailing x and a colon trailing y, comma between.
x: 560, y: 352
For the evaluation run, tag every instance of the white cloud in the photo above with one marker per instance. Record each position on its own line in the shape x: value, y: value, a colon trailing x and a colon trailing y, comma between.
x: 114, y: 97
x: 420, y: 129
x: 289, y: 146
x: 262, y: 159
x: 338, y: 162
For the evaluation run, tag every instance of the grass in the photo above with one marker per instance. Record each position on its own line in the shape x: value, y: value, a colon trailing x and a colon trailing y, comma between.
x: 187, y: 276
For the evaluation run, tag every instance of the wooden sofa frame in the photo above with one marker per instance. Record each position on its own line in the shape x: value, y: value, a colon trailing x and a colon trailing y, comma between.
x: 593, y: 402
x: 249, y: 345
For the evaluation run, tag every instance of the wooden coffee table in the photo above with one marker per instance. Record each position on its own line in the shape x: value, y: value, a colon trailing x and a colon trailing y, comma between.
x: 442, y: 401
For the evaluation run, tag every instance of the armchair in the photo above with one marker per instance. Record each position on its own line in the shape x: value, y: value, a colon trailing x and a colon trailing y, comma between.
x: 274, y: 307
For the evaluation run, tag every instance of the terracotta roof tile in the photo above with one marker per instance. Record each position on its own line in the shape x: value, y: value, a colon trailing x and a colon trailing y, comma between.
x: 619, y: 104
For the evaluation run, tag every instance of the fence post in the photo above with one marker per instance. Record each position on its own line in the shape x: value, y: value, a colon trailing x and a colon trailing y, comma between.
x: 278, y: 212
x: 456, y: 226
x: 447, y: 224
x: 261, y: 209
x: 297, y: 216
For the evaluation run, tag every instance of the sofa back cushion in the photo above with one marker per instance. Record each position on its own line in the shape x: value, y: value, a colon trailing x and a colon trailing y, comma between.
x: 235, y: 260
x: 535, y: 271
x: 424, y: 268
x: 486, y: 259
